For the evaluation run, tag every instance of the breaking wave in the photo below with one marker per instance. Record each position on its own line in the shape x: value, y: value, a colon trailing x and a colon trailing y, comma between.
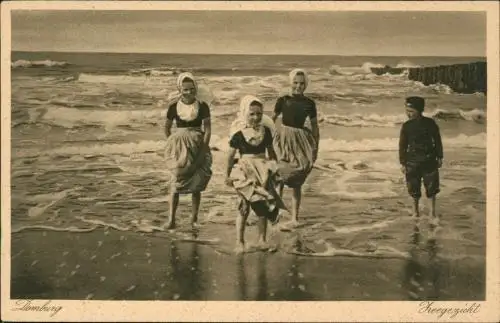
x: 220, y: 144
x: 45, y: 63
x: 69, y: 118
x: 376, y: 120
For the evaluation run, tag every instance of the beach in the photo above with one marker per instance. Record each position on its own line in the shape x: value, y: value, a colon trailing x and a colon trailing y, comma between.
x: 107, y: 264
x: 89, y: 186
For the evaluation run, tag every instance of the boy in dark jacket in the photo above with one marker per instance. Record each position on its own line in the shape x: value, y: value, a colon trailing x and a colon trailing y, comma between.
x: 420, y: 154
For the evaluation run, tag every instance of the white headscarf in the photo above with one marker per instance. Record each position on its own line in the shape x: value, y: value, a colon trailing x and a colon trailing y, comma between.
x: 187, y: 112
x: 251, y: 134
x: 294, y: 73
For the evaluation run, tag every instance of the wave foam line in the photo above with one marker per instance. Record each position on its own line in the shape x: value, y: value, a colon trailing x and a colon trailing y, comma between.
x: 391, y: 144
x: 376, y: 120
x: 43, y: 63
x: 51, y: 228
x: 352, y: 229
x: 71, y: 117
x: 331, y: 251
x: 125, y: 79
x: 46, y: 201
x: 220, y: 144
x: 102, y: 223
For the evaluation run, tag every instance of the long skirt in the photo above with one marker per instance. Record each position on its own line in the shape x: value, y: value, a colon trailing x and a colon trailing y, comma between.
x: 255, y: 181
x: 294, y: 148
x: 182, y: 150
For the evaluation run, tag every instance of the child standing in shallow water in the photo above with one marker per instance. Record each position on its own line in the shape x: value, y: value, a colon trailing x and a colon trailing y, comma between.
x: 257, y: 175
x: 187, y: 151
x: 420, y: 154
x: 296, y: 146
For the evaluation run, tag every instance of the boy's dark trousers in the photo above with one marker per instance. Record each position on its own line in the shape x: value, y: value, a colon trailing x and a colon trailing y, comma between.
x: 426, y: 171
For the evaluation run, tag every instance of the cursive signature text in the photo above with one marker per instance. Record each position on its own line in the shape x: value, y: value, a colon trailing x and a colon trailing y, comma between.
x: 37, y: 306
x: 431, y: 308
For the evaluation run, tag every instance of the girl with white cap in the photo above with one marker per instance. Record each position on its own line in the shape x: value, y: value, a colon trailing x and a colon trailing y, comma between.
x: 296, y: 146
x: 256, y: 176
x: 187, y: 152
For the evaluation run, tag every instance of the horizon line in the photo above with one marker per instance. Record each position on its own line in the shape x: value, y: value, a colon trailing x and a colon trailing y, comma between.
x: 234, y: 54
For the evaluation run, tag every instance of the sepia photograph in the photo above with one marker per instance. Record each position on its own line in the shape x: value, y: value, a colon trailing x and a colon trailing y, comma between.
x: 319, y: 154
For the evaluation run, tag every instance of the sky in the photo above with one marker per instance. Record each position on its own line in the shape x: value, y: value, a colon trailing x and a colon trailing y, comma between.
x: 400, y: 33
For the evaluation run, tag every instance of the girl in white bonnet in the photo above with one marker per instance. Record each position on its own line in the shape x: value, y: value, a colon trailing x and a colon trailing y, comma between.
x: 296, y: 146
x: 256, y: 176
x: 187, y: 152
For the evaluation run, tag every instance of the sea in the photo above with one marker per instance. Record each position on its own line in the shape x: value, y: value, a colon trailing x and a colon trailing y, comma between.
x: 88, y: 139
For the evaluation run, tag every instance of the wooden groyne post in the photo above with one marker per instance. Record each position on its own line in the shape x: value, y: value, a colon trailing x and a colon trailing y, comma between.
x: 461, y: 78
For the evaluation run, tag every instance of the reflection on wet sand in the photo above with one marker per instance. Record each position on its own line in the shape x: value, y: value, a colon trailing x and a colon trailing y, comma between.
x: 186, y: 273
x: 294, y: 286
x: 258, y: 280
x: 195, y: 274
x: 262, y: 286
x: 242, y: 278
x: 244, y: 284
x: 422, y: 269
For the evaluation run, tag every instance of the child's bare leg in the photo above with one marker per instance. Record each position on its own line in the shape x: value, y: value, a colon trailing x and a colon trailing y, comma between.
x: 240, y: 233
x: 196, y: 199
x: 434, y: 220
x: 279, y: 187
x: 174, y: 202
x: 433, y: 206
x: 262, y: 225
x: 416, y: 211
x: 296, y: 198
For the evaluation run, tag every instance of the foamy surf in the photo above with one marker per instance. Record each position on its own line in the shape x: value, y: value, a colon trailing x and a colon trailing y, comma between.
x: 69, y: 118
x: 73, y: 117
x: 45, y: 201
x: 391, y: 144
x: 44, y: 63
x: 327, y: 145
x: 390, y: 121
x: 365, y: 68
x: 323, y: 248
x: 53, y: 228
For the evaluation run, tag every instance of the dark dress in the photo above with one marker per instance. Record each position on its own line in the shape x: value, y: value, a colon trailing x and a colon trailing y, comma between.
x: 294, y: 144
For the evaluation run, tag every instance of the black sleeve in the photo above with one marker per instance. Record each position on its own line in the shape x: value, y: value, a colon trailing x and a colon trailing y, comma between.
x: 313, y: 113
x: 204, y: 111
x: 235, y: 141
x: 278, y: 107
x: 172, y: 111
x: 403, y: 145
x: 436, y: 135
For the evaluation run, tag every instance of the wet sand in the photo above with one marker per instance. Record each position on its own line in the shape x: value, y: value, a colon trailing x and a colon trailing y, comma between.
x: 106, y: 264
x: 364, y: 249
